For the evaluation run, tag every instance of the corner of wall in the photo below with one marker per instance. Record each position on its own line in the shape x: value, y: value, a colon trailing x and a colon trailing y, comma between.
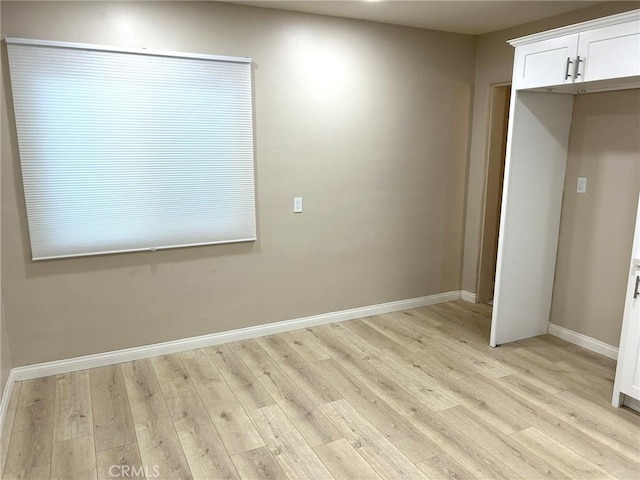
x: 5, y: 352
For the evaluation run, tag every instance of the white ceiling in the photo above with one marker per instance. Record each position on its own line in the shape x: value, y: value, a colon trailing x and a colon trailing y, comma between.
x: 461, y: 16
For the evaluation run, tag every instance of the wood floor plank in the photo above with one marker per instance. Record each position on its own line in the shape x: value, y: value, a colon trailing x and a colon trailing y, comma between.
x: 413, y: 365
x: 37, y: 472
x: 238, y: 433
x: 500, y: 445
x: 294, y: 455
x: 624, y: 438
x: 112, y: 421
x: 379, y: 452
x: 462, y: 391
x: 567, y: 349
x: 258, y: 464
x: 512, y: 358
x: 388, y: 387
x: 431, y: 394
x: 303, y: 413
x: 398, y: 429
x: 437, y: 361
x: 478, y: 394
x: 449, y: 440
x: 461, y: 334
x: 72, y: 415
x: 197, y: 352
x: 388, y: 326
x: 557, y: 372
x: 518, y: 401
x: 5, y: 435
x: 206, y: 454
x: 344, y: 462
x: 74, y: 459
x: 421, y: 316
x: 333, y: 336
x: 546, y: 349
x: 145, y: 396
x: 29, y: 454
x: 250, y: 393
x: 460, y: 313
x: 256, y: 358
x: 381, y: 372
x: 598, y: 407
x: 370, y: 334
x: 305, y: 344
x: 569, y: 462
x: 180, y: 395
x: 442, y: 343
x: 317, y: 389
x: 217, y: 397
x: 123, y: 461
x: 444, y: 467
x: 607, y: 414
x: 161, y: 451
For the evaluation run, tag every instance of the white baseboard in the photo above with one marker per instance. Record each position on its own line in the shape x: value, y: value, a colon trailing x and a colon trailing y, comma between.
x: 468, y: 296
x: 583, y: 341
x: 136, y: 353
x: 6, y: 398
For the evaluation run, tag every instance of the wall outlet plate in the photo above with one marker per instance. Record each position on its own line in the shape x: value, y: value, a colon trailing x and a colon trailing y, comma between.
x: 582, y: 185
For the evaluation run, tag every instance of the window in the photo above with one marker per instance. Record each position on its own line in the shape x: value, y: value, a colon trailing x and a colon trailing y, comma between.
x: 125, y: 150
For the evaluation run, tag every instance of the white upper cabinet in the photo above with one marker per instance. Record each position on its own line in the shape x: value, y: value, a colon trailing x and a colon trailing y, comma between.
x: 606, y: 50
x: 609, y: 52
x: 548, y: 62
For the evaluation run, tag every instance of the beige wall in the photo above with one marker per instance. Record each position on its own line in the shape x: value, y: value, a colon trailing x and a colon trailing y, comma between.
x: 494, y: 65
x: 368, y: 122
x: 596, y: 230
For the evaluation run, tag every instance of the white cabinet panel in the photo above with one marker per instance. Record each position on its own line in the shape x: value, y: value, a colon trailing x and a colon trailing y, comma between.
x: 548, y: 62
x: 628, y: 371
x: 609, y: 52
x: 536, y: 160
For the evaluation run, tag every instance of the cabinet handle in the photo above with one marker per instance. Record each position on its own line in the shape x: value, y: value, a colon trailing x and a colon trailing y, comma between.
x: 566, y: 72
x: 576, y: 73
x: 635, y: 292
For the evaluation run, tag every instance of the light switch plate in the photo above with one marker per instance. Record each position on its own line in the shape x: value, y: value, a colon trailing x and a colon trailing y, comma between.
x: 582, y: 185
x: 297, y: 205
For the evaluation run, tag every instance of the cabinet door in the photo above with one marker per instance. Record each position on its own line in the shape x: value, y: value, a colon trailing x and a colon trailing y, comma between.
x: 609, y: 52
x: 545, y: 63
x: 628, y: 369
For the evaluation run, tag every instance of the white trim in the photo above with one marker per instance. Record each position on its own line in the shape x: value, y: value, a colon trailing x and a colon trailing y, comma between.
x: 6, y: 398
x: 137, y: 51
x: 142, y: 249
x: 46, y: 369
x: 468, y: 296
x: 583, y: 341
x: 577, y: 28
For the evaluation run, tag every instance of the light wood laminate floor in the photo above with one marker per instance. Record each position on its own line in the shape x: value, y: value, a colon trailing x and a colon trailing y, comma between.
x: 411, y: 395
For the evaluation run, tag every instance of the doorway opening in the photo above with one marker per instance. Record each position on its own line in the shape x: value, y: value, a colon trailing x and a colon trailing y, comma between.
x: 496, y: 151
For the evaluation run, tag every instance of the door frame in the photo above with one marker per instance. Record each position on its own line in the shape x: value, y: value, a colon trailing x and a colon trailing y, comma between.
x: 494, y: 167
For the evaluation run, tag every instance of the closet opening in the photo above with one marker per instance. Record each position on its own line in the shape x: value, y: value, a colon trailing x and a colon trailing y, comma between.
x: 598, y: 216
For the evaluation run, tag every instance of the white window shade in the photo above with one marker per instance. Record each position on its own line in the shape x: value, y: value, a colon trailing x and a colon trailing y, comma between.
x: 132, y: 150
